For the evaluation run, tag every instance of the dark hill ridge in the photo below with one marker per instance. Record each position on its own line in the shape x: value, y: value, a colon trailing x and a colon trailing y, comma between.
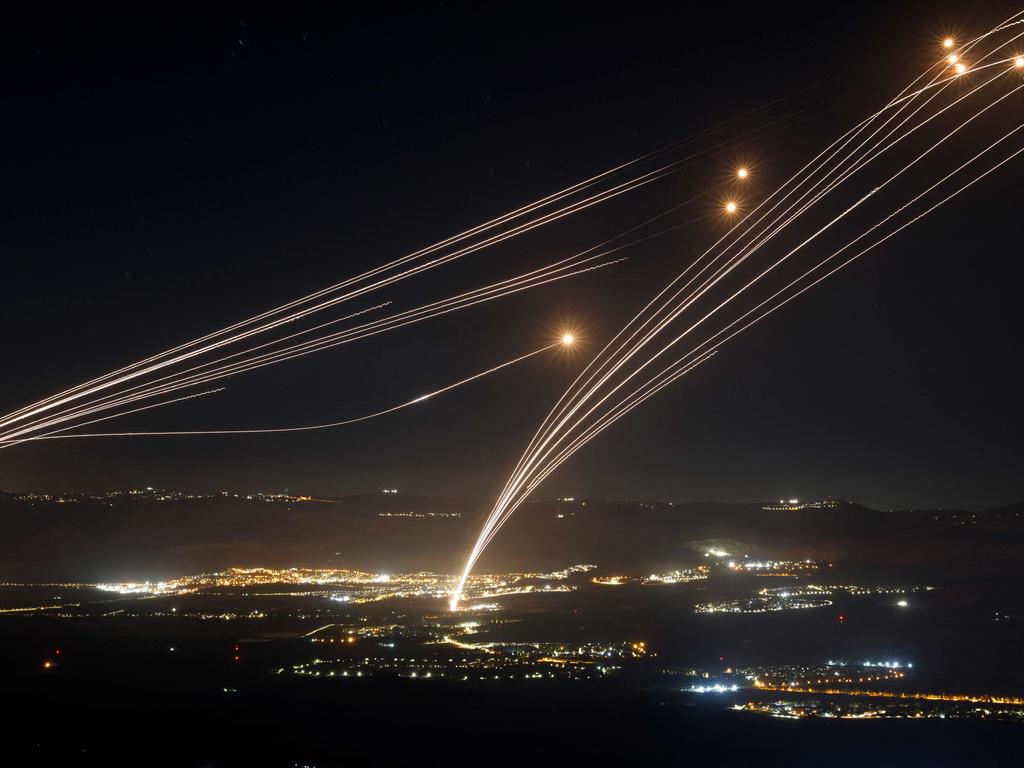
x: 158, y: 534
x: 1008, y: 518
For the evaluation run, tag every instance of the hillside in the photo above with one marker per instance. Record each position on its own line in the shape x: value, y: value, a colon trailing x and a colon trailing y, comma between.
x: 157, y: 534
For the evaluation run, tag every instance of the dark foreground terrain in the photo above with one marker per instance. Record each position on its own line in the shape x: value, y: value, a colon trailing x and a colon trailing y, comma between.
x: 122, y: 700
x: 693, y: 635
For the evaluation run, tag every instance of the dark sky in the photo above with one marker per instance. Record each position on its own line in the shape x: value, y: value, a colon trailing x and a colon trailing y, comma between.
x: 165, y: 175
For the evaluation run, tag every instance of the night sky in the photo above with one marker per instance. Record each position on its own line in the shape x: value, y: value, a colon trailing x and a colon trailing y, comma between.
x: 166, y: 175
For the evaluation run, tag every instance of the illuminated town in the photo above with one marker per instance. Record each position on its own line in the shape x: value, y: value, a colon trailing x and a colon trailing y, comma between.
x: 358, y: 586
x: 381, y: 626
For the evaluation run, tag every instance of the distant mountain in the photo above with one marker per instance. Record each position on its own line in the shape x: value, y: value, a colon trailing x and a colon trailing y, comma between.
x: 159, y: 534
x: 1008, y: 518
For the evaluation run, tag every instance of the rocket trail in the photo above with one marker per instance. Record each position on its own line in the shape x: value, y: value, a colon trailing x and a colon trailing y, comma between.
x: 58, y: 434
x: 173, y: 382
x: 192, y: 349
x: 133, y: 374
x: 588, y: 406
x: 684, y: 286
x: 200, y: 374
x: 11, y: 443
x: 485, y: 539
x: 603, y: 356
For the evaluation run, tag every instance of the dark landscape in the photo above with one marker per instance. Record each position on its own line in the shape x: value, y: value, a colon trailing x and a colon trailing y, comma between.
x: 112, y: 667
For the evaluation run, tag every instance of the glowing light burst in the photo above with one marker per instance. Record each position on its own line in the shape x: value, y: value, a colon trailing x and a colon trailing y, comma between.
x: 742, y: 173
x: 730, y: 207
x: 948, y: 42
x: 619, y: 378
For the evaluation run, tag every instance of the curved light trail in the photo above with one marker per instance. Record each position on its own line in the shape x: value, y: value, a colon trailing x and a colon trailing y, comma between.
x: 566, y: 341
x: 604, y: 391
x: 282, y: 315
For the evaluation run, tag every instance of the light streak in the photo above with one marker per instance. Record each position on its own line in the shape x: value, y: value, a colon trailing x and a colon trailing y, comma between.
x: 653, y: 302
x: 172, y: 382
x: 554, y: 439
x: 561, y: 213
x: 191, y: 349
x: 304, y: 428
x: 639, y: 396
x: 199, y: 376
x: 540, y: 276
x: 484, y: 540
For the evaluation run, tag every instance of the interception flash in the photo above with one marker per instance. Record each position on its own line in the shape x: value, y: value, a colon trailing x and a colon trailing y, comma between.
x: 730, y: 207
x: 568, y: 339
x: 742, y: 173
x: 948, y: 42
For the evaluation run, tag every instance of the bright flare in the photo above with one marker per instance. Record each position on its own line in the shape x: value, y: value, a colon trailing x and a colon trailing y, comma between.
x: 742, y: 173
x: 730, y: 207
x: 948, y: 42
x: 568, y: 339
x: 961, y: 68
x: 1019, y: 62
x: 953, y: 58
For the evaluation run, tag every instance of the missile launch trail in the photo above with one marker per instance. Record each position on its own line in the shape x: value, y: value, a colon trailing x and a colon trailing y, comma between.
x: 597, y: 396
x: 281, y: 316
x: 564, y: 342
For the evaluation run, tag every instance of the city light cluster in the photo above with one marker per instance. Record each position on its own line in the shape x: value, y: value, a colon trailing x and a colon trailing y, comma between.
x: 359, y: 586
x: 760, y: 605
x: 954, y: 697
x: 774, y: 567
x: 435, y: 658
x: 860, y: 710
x: 812, y: 590
x: 678, y: 576
x: 795, y: 505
